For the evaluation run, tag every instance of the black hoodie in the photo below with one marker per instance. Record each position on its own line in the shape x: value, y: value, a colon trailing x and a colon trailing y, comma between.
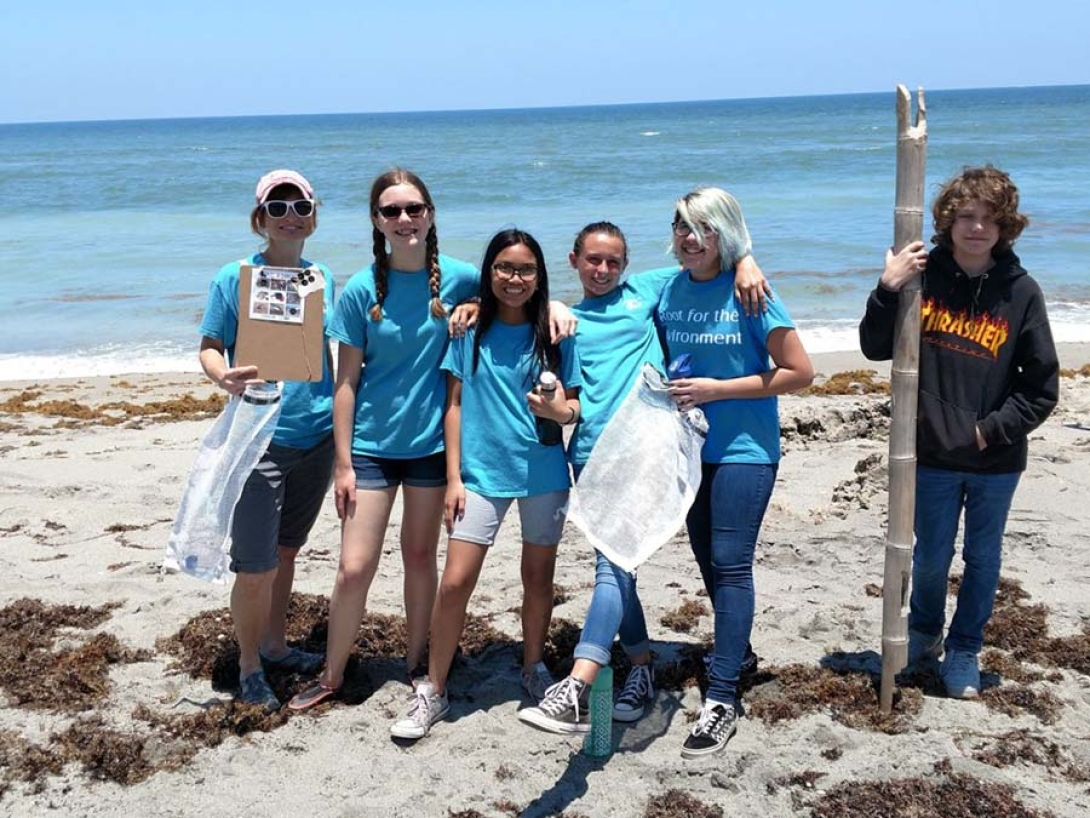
x: 986, y: 359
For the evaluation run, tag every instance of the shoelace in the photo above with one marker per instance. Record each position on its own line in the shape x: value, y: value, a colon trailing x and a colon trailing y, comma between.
x: 559, y: 696
x: 711, y: 722
x: 637, y: 688
x: 420, y: 709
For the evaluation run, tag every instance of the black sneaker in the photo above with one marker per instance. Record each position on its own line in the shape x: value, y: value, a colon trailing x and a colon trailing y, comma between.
x: 637, y: 694
x: 713, y: 729
x: 563, y: 708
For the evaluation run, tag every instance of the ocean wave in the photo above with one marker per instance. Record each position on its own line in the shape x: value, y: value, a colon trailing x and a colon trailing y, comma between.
x: 650, y: 133
x: 92, y: 363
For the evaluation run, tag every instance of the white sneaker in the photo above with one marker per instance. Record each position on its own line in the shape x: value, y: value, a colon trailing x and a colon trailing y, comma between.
x: 960, y: 673
x: 563, y: 709
x: 426, y: 709
x: 536, y: 681
x: 638, y: 692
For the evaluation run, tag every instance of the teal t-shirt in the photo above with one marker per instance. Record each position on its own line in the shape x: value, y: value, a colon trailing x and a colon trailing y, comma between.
x: 704, y: 319
x: 401, y: 392
x: 306, y: 407
x: 616, y: 337
x: 501, y: 455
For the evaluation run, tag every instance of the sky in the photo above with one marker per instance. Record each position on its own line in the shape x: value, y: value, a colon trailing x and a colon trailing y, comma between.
x: 112, y: 59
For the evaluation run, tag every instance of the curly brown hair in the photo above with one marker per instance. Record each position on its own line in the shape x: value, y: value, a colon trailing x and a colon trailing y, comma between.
x: 392, y: 178
x: 991, y: 187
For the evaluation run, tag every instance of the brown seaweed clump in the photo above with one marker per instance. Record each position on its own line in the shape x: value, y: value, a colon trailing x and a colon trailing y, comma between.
x: 76, y: 415
x: 854, y: 382
x: 1015, y: 699
x: 676, y: 803
x: 22, y: 760
x: 1024, y: 747
x: 36, y: 675
x: 849, y: 698
x: 949, y: 794
x: 1071, y: 373
x: 685, y: 617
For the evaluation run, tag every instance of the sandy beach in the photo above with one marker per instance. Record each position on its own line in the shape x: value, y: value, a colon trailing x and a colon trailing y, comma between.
x: 103, y: 712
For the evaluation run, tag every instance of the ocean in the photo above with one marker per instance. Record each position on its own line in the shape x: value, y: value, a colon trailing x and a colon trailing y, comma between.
x: 114, y: 229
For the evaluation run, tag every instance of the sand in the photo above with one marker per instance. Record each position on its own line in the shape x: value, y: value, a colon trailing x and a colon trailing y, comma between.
x: 85, y: 510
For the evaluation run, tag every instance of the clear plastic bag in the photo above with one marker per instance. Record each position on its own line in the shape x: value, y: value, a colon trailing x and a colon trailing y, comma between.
x: 199, y: 542
x: 642, y: 475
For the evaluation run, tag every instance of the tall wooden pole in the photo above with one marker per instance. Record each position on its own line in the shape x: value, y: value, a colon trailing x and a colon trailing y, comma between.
x: 907, y: 228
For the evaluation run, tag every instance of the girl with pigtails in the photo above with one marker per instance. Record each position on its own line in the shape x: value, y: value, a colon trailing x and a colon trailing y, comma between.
x: 391, y: 323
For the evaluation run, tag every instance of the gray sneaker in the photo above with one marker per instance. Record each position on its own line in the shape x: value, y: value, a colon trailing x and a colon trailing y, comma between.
x: 923, y: 648
x: 638, y: 692
x: 427, y: 707
x: 254, y: 690
x: 960, y: 673
x: 713, y: 729
x: 563, y: 709
x: 536, y: 681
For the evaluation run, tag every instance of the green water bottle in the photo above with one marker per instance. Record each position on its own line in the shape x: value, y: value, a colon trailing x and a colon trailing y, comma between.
x: 598, y: 743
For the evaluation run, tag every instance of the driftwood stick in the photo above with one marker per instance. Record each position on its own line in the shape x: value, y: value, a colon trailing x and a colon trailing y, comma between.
x: 905, y: 376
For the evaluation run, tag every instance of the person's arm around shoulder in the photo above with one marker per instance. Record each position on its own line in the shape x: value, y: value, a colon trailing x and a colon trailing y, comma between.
x: 876, y: 328
x: 751, y: 288
x: 349, y: 368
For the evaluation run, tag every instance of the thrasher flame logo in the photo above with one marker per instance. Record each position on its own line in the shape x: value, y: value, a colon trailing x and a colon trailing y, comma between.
x: 984, y: 330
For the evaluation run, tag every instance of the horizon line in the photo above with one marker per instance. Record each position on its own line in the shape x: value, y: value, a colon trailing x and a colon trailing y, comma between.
x: 469, y: 110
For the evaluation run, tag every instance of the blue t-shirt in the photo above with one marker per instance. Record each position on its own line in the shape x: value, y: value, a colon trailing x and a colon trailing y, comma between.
x: 306, y: 407
x: 703, y: 319
x: 402, y: 392
x: 501, y: 455
x: 616, y: 337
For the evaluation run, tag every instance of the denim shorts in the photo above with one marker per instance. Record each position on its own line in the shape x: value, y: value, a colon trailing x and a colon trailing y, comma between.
x: 426, y: 472
x: 541, y: 517
x: 279, y: 504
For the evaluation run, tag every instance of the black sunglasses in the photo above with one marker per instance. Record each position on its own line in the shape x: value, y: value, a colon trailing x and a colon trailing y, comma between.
x: 278, y: 209
x: 413, y: 211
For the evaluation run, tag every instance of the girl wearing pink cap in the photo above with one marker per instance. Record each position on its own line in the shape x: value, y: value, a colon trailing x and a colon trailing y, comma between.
x: 284, y: 494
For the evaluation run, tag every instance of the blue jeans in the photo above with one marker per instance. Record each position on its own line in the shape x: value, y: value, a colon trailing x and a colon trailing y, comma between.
x: 941, y: 494
x: 615, y: 608
x: 723, y: 526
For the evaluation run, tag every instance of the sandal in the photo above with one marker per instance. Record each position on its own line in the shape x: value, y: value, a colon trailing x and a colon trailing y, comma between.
x: 315, y: 694
x: 295, y: 661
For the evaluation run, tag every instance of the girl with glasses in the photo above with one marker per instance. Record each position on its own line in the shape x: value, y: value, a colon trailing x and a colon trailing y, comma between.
x: 617, y: 335
x: 494, y: 456
x: 284, y: 494
x: 735, y: 383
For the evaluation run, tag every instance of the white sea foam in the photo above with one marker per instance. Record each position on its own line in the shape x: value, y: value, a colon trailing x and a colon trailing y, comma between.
x: 90, y: 363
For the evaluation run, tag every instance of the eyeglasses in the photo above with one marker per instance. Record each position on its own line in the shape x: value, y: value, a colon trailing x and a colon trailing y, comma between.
x: 508, y: 270
x: 681, y: 230
x: 278, y: 209
x: 413, y: 211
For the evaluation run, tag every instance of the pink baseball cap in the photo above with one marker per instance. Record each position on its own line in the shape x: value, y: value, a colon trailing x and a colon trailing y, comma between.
x: 282, y: 177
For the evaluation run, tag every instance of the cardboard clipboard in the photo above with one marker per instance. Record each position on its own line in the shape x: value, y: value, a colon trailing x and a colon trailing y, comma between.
x: 281, y: 351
